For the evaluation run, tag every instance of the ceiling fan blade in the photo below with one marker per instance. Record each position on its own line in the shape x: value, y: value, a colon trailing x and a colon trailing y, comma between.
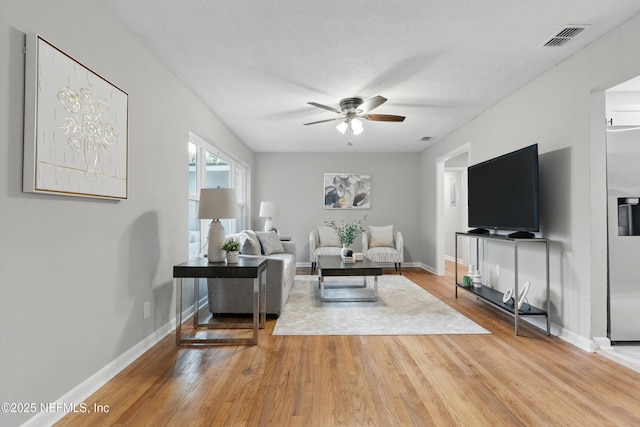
x: 383, y: 117
x: 326, y: 107
x: 372, y: 103
x: 323, y: 121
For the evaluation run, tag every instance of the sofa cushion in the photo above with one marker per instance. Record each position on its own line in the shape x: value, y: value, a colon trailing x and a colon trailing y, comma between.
x: 328, y: 236
x: 381, y: 236
x: 249, y: 244
x: 270, y: 242
x: 326, y: 250
x: 383, y: 255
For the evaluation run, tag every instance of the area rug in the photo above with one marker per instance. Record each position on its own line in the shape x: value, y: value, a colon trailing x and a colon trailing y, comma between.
x: 403, y: 308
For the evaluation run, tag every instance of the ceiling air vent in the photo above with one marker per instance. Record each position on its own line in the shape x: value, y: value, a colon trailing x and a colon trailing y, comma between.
x: 564, y: 35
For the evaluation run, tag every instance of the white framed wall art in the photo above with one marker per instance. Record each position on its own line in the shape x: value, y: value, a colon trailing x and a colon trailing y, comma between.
x: 76, y: 127
x: 347, y: 191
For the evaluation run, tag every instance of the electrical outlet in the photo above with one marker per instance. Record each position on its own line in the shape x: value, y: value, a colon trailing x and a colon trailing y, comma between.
x: 498, y: 270
x: 147, y: 309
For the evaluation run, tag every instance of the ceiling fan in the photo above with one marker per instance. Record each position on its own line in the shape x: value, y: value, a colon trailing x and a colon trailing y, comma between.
x: 353, y: 109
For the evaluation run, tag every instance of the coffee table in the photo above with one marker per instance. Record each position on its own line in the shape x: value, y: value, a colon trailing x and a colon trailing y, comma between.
x: 333, y: 265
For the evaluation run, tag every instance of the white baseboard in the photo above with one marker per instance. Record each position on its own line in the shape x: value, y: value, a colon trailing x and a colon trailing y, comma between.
x: 562, y: 333
x: 572, y: 338
x: 80, y: 393
x: 601, y: 343
x: 452, y: 259
x: 428, y: 268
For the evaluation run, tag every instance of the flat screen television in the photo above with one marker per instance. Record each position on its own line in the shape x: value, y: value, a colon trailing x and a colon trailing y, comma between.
x: 503, y: 193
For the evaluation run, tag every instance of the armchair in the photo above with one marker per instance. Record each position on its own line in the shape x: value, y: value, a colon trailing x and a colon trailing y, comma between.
x: 322, y: 241
x: 383, y: 244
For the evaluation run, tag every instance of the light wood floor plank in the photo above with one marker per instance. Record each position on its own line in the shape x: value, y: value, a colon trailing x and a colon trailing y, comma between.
x: 441, y: 380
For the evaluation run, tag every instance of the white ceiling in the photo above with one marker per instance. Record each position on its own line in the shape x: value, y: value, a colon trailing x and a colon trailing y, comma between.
x: 256, y: 64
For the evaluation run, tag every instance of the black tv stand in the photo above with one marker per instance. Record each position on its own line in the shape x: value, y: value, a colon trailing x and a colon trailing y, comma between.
x: 496, y: 298
x: 478, y: 231
x: 521, y: 235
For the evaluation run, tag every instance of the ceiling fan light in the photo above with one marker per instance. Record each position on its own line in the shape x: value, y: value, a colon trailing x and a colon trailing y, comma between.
x: 342, y: 127
x: 356, y: 126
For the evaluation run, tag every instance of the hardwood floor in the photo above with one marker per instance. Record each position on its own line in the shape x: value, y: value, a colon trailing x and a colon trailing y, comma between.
x: 481, y: 380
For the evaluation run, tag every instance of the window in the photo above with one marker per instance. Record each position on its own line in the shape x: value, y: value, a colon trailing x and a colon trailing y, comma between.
x: 210, y: 168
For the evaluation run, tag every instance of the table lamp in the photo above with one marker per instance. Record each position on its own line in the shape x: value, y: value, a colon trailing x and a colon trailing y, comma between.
x: 215, y: 204
x: 268, y: 210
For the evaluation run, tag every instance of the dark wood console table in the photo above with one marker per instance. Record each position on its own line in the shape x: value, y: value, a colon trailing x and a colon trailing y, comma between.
x: 251, y: 268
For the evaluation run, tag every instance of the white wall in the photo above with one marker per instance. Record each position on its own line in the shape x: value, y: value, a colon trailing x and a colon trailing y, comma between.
x: 75, y: 272
x: 295, y: 182
x: 557, y: 111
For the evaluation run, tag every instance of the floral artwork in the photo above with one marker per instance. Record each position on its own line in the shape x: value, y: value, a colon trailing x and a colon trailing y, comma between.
x: 78, y: 142
x: 347, y: 191
x: 84, y: 128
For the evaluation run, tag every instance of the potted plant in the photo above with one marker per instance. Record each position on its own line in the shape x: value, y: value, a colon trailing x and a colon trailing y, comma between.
x: 347, y: 232
x: 232, y: 248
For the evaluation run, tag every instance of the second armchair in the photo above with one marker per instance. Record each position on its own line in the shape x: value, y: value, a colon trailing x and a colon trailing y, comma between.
x: 382, y: 245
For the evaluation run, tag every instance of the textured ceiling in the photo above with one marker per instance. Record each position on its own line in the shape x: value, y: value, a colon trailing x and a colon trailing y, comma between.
x: 256, y: 64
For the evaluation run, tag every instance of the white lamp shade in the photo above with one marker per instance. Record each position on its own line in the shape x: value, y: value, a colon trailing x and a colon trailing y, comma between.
x: 268, y: 209
x: 216, y: 203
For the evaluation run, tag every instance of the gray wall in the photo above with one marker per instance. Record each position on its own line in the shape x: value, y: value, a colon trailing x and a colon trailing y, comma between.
x: 563, y: 111
x: 295, y: 182
x: 75, y: 272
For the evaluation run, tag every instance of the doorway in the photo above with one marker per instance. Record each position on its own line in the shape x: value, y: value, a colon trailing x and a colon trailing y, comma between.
x: 622, y: 107
x: 623, y: 208
x: 451, y: 213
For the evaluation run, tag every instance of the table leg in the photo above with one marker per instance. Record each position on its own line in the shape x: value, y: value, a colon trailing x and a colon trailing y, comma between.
x: 196, y: 302
x: 375, y: 286
x: 256, y: 311
x: 263, y: 298
x: 178, y: 283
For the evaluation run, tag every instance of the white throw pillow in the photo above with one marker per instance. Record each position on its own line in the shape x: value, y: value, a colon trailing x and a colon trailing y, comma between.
x: 270, y: 242
x: 381, y: 236
x: 328, y: 236
x: 249, y: 245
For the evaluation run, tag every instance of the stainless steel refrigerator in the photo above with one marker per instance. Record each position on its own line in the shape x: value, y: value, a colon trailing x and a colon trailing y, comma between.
x: 623, y: 204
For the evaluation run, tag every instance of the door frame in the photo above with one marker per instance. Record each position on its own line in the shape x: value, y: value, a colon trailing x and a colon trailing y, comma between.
x: 440, y: 240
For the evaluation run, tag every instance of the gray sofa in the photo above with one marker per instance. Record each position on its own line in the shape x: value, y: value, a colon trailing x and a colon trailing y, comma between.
x: 234, y: 295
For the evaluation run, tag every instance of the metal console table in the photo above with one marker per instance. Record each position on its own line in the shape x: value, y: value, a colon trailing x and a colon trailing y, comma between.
x: 253, y: 268
x: 495, y: 297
